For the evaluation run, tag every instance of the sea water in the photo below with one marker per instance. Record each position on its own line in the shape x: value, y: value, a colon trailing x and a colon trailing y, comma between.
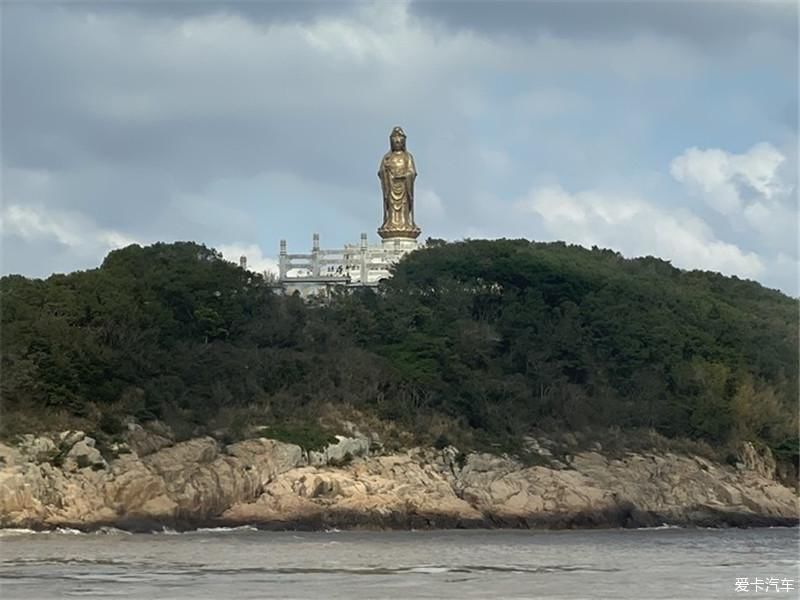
x: 247, y: 563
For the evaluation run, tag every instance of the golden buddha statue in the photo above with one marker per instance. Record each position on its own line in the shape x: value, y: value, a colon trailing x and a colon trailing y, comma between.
x: 397, y: 174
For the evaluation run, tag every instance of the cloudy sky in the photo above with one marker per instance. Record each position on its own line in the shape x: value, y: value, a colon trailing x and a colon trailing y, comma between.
x: 666, y: 129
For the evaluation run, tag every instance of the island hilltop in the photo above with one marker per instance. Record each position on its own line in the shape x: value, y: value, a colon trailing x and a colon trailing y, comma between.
x: 452, y: 384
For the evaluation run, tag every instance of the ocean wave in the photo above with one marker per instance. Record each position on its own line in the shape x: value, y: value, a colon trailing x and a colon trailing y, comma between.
x: 431, y: 569
x: 15, y: 531
x: 67, y: 531
x: 63, y: 531
x: 58, y: 531
x: 655, y: 527
x: 224, y: 529
x: 205, y: 530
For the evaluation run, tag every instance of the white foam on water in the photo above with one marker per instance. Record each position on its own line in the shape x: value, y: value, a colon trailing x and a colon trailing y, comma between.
x: 14, y: 531
x: 429, y: 570
x: 224, y: 529
x: 205, y: 530
x: 654, y: 528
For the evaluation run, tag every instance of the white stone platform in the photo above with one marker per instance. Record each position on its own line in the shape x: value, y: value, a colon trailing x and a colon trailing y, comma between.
x: 355, y: 265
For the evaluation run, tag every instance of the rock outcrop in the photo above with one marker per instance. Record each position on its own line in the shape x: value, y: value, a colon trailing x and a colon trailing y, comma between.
x: 62, y: 480
x: 84, y: 454
x: 759, y: 461
x: 343, y: 451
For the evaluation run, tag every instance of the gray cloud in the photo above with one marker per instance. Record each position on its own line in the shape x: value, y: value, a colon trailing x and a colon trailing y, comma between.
x: 237, y: 124
x: 96, y: 94
x: 270, y: 11
x: 702, y: 22
x: 705, y: 22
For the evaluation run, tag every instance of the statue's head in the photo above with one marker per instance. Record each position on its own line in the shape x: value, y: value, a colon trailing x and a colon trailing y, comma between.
x: 397, y: 139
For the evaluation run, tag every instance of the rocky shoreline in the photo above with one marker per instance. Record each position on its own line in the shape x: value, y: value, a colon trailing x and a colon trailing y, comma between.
x: 63, y: 481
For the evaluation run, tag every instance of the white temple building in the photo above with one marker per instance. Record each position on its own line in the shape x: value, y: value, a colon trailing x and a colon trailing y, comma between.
x: 356, y: 265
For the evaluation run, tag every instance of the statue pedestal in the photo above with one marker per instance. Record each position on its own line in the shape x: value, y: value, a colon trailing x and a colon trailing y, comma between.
x: 399, y: 245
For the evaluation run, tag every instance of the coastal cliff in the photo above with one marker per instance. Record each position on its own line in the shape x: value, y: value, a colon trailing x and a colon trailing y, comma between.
x: 665, y: 394
x: 62, y: 480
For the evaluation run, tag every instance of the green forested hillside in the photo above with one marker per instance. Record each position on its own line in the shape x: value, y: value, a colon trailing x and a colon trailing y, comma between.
x: 476, y: 340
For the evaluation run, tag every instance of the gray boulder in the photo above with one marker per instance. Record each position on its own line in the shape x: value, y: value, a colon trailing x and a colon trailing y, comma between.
x: 67, y: 439
x: 145, y: 442
x: 37, y: 449
x: 83, y: 455
x: 339, y: 453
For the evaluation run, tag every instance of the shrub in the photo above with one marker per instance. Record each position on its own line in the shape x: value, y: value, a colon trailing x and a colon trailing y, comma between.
x: 307, y: 436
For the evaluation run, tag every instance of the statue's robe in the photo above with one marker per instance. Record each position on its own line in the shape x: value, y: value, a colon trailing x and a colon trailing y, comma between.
x: 397, y: 173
